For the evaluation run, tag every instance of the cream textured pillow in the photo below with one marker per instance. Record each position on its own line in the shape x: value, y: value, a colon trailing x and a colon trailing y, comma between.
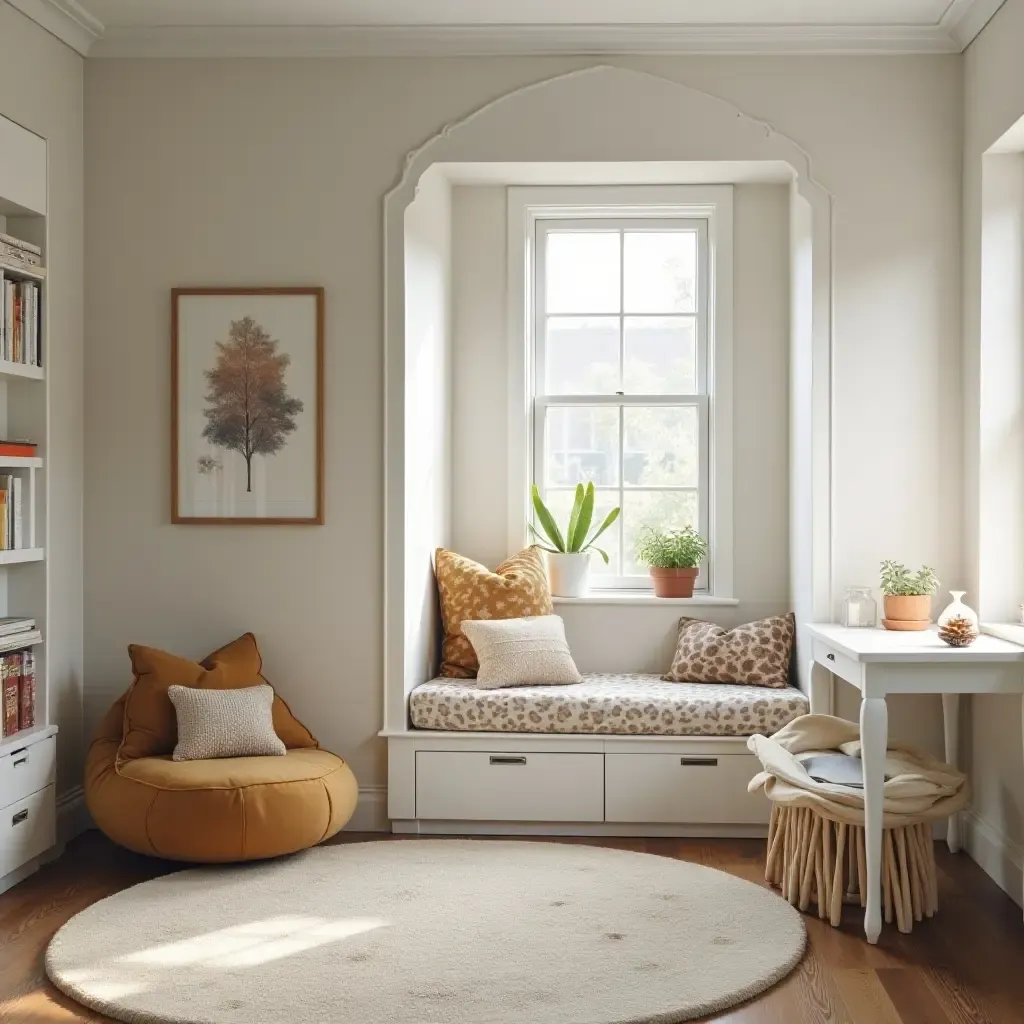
x: 224, y: 723
x: 521, y: 652
x: 755, y: 654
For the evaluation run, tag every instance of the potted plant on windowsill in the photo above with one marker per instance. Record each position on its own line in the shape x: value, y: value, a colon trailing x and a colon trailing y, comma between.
x: 907, y: 596
x: 674, y: 558
x: 569, y: 553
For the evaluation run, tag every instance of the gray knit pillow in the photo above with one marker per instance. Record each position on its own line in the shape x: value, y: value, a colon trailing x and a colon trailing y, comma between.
x: 224, y: 723
x: 530, y: 651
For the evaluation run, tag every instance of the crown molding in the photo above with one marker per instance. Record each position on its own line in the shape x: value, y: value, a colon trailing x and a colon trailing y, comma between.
x: 965, y: 19
x: 68, y: 20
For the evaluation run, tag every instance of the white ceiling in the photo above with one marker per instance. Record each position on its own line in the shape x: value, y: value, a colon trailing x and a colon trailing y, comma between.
x: 330, y: 27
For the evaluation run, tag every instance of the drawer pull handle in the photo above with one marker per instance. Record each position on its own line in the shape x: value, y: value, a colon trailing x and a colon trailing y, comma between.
x: 699, y: 762
x: 20, y: 817
x: 831, y: 657
x: 24, y: 760
x: 497, y: 759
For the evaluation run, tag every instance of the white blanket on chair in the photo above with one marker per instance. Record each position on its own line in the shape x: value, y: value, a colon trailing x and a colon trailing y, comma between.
x: 918, y: 787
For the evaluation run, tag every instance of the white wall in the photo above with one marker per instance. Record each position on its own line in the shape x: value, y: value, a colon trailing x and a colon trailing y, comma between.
x: 993, y: 103
x: 178, y: 192
x: 41, y: 88
x: 428, y: 433
x: 761, y: 430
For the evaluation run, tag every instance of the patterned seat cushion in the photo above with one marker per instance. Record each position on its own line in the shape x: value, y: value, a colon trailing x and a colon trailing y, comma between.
x: 625, y: 704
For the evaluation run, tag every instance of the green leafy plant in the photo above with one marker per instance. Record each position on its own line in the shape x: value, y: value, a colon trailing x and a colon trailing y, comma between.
x: 671, y: 549
x: 898, y: 581
x: 575, y: 540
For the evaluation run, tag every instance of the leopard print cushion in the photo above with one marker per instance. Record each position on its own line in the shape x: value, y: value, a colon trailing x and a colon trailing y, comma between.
x: 468, y: 590
x: 754, y: 654
x: 627, y: 705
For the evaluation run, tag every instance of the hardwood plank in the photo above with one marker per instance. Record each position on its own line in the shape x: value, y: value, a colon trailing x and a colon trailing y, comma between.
x: 914, y: 1000
x: 865, y: 997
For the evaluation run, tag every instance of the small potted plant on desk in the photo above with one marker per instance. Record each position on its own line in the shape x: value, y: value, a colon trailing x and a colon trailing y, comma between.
x: 907, y: 596
x: 569, y: 553
x: 674, y: 558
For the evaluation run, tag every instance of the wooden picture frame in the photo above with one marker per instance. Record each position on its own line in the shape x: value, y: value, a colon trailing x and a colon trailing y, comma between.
x: 226, y: 343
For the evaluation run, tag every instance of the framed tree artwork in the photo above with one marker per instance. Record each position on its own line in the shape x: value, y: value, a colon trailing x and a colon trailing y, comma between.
x: 247, y: 405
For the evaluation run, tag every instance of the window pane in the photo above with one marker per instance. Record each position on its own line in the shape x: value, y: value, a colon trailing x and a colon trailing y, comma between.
x: 581, y: 444
x: 583, y: 272
x: 661, y: 448
x: 582, y: 355
x: 660, y: 272
x: 660, y: 355
x: 668, y: 510
x: 560, y: 503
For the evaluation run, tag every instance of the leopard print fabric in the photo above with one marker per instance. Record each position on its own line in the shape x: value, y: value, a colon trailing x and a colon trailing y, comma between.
x: 754, y: 654
x: 468, y: 590
x: 626, y: 705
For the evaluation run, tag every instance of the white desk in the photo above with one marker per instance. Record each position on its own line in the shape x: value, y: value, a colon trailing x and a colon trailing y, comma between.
x: 879, y: 662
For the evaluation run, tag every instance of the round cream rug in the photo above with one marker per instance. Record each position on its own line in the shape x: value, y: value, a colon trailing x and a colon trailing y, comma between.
x: 430, y: 932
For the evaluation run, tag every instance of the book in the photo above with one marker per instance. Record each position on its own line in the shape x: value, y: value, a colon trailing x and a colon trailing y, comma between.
x: 20, y: 449
x: 9, y: 691
x: 15, y: 641
x: 15, y: 624
x: 836, y: 769
x: 20, y: 243
x: 17, y: 521
x: 27, y: 691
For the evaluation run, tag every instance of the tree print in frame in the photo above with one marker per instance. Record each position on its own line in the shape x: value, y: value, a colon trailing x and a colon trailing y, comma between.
x: 247, y: 405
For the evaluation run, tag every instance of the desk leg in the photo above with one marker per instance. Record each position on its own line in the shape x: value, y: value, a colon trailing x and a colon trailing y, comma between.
x: 821, y: 684
x: 951, y: 730
x: 874, y: 738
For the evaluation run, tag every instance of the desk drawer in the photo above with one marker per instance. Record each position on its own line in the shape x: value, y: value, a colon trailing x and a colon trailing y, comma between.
x: 480, y: 786
x: 683, y: 789
x: 28, y: 828
x: 26, y: 770
x: 838, y: 663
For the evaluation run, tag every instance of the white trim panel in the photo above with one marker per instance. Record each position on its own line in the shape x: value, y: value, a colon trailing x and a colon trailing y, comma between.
x: 69, y: 21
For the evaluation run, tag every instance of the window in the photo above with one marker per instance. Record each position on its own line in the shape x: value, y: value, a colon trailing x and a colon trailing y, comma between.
x: 621, y: 338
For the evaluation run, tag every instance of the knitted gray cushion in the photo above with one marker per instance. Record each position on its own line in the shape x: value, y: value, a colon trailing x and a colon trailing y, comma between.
x: 224, y: 723
x: 530, y: 651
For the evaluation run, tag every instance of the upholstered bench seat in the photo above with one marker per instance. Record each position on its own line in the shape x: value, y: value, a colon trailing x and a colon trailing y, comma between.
x: 623, y: 704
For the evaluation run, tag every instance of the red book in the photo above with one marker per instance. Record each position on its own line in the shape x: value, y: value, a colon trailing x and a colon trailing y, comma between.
x: 20, y: 448
x: 10, y: 699
x: 27, y: 692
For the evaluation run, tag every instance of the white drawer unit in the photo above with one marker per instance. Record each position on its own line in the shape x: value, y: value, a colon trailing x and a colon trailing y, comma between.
x: 683, y: 789
x: 25, y: 770
x: 504, y: 786
x: 28, y: 828
x: 838, y: 663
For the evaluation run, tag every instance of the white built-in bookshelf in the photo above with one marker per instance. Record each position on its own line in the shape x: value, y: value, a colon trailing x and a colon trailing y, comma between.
x: 27, y: 752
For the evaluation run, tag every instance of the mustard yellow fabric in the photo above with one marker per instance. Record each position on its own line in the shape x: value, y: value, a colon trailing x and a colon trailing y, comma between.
x: 150, y: 724
x: 215, y: 811
x: 469, y: 590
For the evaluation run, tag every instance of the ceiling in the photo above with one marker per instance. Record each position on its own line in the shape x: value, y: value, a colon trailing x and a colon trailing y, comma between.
x: 118, y: 28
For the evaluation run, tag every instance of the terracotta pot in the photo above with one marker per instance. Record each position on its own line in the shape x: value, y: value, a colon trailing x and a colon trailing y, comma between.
x: 907, y: 613
x: 673, y: 582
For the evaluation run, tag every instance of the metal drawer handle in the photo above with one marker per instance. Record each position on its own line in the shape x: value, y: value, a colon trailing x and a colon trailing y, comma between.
x: 831, y: 657
x: 24, y: 760
x: 497, y: 759
x: 699, y: 762
x: 19, y: 817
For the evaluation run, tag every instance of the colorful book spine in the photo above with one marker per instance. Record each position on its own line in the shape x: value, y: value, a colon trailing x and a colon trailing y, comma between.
x: 27, y: 691
x: 10, y: 698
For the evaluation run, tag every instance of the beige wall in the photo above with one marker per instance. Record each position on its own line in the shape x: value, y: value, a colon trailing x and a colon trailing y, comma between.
x: 41, y: 88
x: 255, y: 171
x: 993, y: 102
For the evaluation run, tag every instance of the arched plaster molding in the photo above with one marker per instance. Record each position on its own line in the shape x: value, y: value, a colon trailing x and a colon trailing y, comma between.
x: 811, y: 397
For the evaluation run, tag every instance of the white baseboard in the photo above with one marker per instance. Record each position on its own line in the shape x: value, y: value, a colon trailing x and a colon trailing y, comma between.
x: 597, y: 829
x: 371, y: 813
x: 997, y: 854
x: 72, y: 815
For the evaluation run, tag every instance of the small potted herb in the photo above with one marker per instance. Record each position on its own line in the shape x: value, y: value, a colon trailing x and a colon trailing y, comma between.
x: 674, y: 558
x: 569, y: 552
x: 907, y: 596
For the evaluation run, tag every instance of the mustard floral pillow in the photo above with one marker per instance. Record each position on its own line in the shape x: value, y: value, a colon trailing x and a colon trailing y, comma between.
x: 468, y: 590
x: 755, y: 654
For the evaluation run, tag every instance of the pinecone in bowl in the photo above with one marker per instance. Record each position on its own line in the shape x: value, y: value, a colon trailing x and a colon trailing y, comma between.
x: 958, y: 632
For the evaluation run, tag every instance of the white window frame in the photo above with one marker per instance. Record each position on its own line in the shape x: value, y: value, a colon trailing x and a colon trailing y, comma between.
x: 710, y: 209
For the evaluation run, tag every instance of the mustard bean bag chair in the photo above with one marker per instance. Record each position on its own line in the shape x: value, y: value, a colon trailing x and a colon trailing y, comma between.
x: 217, y: 810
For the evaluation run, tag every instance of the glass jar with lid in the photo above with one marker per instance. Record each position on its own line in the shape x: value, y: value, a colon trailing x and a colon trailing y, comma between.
x: 859, y: 608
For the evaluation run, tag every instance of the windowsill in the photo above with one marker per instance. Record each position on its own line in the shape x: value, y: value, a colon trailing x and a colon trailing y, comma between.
x: 640, y: 598
x: 1011, y: 631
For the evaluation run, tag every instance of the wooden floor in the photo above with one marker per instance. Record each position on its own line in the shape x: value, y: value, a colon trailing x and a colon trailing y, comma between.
x: 966, y: 966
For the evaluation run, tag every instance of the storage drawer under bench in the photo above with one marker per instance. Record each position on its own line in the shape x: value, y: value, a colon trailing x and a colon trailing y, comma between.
x: 25, y: 770
x: 470, y: 785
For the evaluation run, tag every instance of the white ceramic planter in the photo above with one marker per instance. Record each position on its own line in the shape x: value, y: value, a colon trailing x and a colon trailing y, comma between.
x: 569, y: 575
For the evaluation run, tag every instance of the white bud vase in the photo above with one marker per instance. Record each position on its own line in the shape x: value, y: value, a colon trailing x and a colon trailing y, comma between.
x: 963, y: 619
x: 569, y: 574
